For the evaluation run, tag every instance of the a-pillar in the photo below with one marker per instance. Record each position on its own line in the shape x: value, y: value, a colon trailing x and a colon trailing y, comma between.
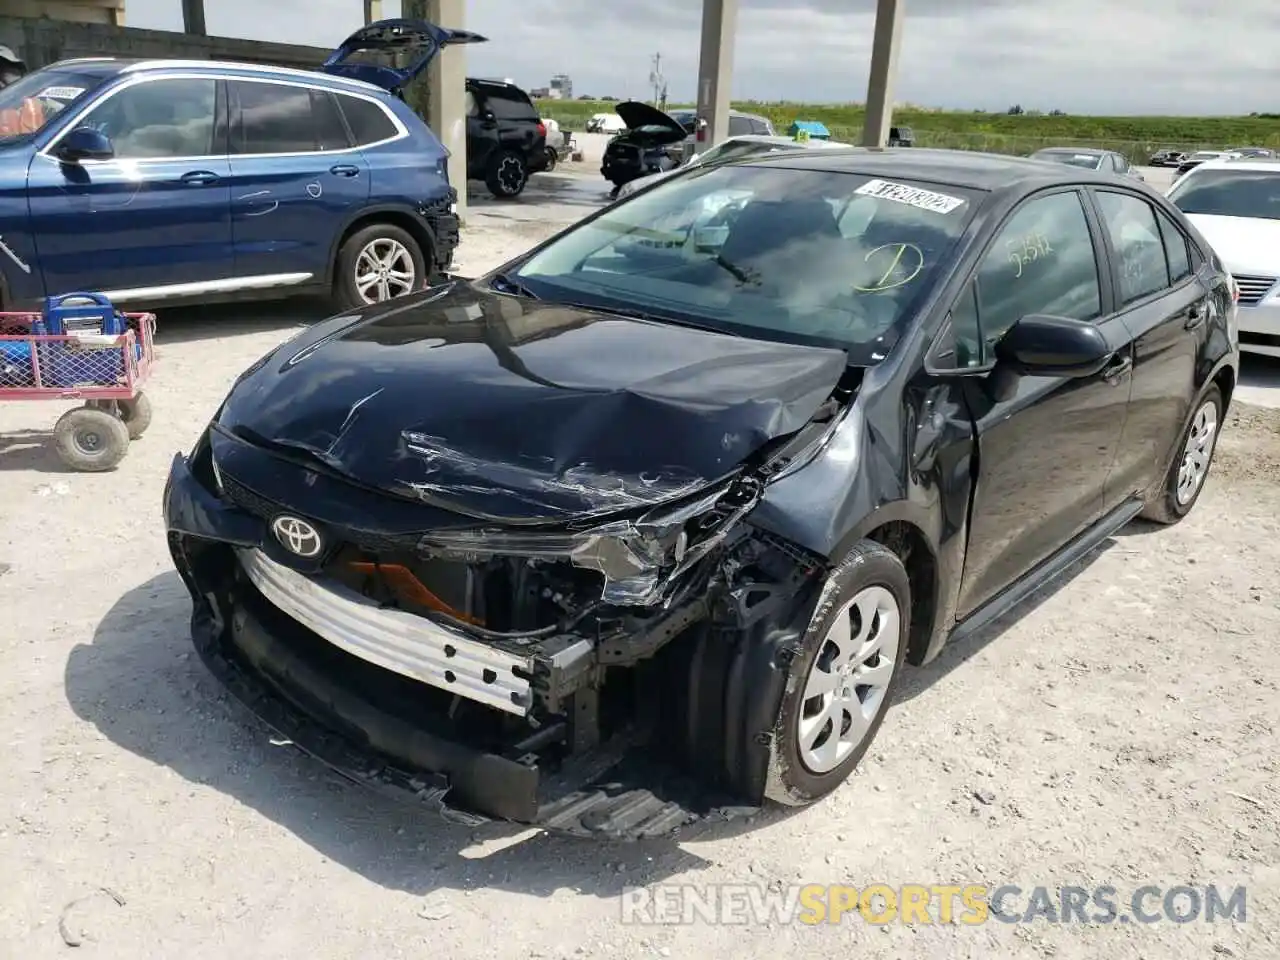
x: 715, y: 70
x: 885, y: 42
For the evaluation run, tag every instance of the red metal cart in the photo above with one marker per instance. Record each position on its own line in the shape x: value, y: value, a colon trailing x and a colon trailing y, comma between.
x: 102, y: 363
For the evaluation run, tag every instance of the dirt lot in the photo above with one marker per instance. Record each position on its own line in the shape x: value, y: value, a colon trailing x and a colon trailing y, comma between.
x: 1122, y: 731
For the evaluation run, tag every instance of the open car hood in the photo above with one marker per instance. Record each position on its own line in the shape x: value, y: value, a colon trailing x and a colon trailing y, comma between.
x: 516, y: 410
x: 414, y: 44
x: 636, y: 114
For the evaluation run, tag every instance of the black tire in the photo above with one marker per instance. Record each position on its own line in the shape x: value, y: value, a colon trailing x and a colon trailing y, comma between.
x: 346, y: 293
x: 136, y: 414
x: 508, y: 174
x: 552, y: 160
x: 869, y: 564
x: 1164, y: 506
x: 90, y: 439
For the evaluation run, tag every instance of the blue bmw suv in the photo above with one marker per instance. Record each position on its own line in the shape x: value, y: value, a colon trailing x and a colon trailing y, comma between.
x: 159, y: 182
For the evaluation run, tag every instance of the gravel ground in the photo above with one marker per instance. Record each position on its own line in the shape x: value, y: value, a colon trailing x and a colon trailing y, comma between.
x: 1120, y: 730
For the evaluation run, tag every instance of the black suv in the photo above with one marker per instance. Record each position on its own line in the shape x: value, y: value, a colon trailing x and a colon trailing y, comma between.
x: 506, y: 140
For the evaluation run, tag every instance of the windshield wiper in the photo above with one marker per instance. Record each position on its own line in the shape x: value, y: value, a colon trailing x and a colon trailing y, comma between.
x: 506, y: 284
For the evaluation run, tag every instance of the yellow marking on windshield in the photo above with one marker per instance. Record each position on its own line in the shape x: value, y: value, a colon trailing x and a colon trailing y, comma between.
x: 895, y: 275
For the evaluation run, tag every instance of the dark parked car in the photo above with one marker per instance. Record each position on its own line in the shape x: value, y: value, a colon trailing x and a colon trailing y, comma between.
x: 647, y: 521
x: 656, y: 141
x: 1166, y: 158
x: 506, y: 139
x: 1104, y: 161
x: 901, y: 137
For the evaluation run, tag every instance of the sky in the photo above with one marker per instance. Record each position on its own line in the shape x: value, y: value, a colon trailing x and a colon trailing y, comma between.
x: 1184, y: 57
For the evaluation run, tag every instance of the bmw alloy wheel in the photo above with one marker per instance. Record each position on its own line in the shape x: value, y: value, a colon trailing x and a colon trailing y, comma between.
x: 384, y: 269
x: 849, y: 679
x: 1198, y: 451
x: 511, y: 174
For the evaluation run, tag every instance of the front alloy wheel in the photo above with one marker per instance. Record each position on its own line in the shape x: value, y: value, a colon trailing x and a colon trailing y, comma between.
x: 384, y: 269
x: 849, y: 679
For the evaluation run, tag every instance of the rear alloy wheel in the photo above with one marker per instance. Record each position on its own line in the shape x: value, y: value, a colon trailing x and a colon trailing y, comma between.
x: 378, y: 263
x: 841, y: 682
x: 1185, y: 478
x: 507, y: 175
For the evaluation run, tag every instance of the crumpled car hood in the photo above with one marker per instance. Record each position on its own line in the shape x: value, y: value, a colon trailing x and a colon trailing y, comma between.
x: 511, y: 409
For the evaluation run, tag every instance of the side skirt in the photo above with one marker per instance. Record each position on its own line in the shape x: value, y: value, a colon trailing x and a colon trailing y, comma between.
x: 1047, y: 571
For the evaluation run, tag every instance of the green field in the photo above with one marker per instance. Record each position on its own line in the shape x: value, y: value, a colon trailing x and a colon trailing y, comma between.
x: 1137, y: 137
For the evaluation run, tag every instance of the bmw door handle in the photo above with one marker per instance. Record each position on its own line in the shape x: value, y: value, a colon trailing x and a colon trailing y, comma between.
x: 345, y: 170
x: 1197, y: 315
x: 198, y: 178
x: 1117, y: 369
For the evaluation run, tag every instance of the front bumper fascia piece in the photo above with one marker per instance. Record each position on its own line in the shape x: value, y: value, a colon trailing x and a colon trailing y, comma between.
x: 288, y: 679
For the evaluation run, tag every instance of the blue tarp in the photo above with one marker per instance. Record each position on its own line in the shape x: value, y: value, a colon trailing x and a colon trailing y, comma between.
x: 815, y: 129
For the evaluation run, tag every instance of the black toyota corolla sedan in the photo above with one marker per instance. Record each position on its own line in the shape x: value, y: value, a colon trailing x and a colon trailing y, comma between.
x: 644, y: 525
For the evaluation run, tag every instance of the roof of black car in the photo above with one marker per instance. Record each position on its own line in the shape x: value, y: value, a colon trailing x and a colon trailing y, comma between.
x: 961, y: 168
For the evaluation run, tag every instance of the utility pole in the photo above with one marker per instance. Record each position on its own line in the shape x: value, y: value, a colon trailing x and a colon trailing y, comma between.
x: 656, y: 78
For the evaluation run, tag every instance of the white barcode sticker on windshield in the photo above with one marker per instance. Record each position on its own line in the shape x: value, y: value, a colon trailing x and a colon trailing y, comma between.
x: 60, y: 93
x: 913, y: 196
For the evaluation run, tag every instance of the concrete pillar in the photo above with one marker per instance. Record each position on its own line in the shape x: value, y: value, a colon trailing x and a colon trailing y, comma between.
x: 372, y: 11
x: 715, y: 69
x: 884, y: 68
x: 447, y: 81
x: 193, y: 18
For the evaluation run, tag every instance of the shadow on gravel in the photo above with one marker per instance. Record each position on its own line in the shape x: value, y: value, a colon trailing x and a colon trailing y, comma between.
x: 142, y: 685
x: 919, y: 679
x: 189, y: 324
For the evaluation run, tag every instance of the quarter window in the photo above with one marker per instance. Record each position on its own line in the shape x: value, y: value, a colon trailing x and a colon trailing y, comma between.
x: 1135, y: 240
x: 1175, y: 249
x: 1043, y: 261
x: 159, y: 118
x: 368, y: 121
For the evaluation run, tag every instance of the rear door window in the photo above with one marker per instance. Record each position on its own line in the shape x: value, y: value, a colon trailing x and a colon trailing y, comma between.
x: 1135, y: 239
x: 270, y: 118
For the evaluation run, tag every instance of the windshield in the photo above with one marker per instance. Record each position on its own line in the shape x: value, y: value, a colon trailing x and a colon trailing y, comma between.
x: 837, y: 259
x: 1090, y: 161
x: 30, y: 104
x: 1230, y: 193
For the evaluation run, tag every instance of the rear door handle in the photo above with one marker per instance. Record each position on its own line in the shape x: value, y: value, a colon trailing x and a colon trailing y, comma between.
x: 1197, y: 315
x: 345, y: 170
x: 198, y: 178
x: 1117, y: 369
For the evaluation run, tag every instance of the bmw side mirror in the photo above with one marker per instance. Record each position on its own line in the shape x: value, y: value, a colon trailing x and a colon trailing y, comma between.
x: 1040, y: 345
x: 85, y: 143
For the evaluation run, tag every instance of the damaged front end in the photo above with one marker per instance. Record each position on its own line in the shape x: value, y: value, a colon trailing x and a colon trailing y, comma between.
x: 608, y: 674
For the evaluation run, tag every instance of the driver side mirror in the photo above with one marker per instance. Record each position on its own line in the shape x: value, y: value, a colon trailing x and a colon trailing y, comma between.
x: 1040, y: 345
x: 85, y: 143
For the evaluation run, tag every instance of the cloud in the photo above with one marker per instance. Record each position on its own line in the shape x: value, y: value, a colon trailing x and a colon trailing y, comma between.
x: 1083, y: 56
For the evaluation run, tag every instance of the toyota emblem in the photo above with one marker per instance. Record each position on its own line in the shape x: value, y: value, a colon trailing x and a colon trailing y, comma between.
x: 297, y: 536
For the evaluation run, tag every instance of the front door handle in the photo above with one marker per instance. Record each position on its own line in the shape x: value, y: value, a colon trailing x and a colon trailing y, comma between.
x: 198, y: 178
x: 345, y: 170
x: 1197, y: 315
x: 1117, y: 369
